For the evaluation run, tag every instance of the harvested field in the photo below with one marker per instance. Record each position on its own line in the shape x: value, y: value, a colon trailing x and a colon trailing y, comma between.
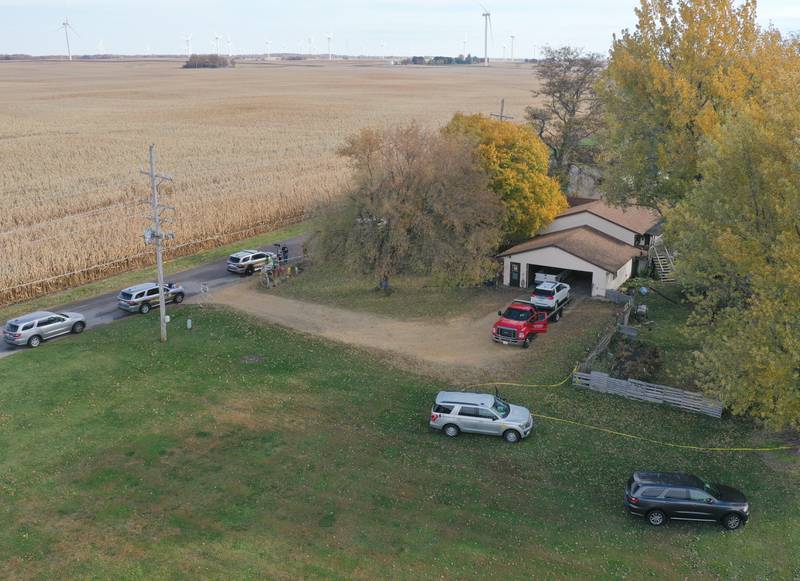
x: 249, y: 148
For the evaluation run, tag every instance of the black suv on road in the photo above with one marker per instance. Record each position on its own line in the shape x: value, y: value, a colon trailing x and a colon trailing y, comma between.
x: 659, y: 496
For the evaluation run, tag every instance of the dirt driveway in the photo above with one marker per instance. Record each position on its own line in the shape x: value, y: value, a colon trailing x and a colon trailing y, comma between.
x: 460, y: 344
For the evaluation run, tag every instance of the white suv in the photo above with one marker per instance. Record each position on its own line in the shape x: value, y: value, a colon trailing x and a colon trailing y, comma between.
x: 550, y: 295
x: 250, y: 261
x: 480, y: 413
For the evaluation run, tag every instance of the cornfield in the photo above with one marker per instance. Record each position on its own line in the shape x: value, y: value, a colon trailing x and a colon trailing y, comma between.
x: 249, y: 149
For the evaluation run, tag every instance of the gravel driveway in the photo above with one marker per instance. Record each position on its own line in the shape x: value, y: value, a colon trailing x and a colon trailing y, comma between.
x: 461, y: 344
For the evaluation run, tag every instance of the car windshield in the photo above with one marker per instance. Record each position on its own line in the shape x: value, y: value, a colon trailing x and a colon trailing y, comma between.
x: 711, y: 489
x: 502, y: 408
x: 12, y: 327
x: 234, y: 259
x: 542, y: 292
x: 516, y: 314
x: 126, y: 296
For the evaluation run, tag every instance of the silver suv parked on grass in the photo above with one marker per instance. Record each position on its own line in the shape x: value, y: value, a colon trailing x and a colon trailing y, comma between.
x: 457, y: 411
x: 250, y: 261
x: 144, y: 297
x: 36, y: 327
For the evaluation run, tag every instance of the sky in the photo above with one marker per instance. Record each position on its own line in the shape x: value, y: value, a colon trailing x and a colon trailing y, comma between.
x: 372, y: 27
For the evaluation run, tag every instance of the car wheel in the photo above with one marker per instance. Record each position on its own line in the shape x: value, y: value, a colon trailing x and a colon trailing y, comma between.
x: 179, y: 298
x: 526, y: 343
x: 511, y: 436
x: 557, y: 316
x: 34, y: 341
x: 732, y: 521
x: 451, y: 430
x: 656, y: 518
x: 249, y: 271
x: 78, y: 327
x: 144, y: 308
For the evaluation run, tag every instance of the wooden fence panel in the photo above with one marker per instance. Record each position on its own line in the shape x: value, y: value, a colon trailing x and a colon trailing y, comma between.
x: 649, y: 392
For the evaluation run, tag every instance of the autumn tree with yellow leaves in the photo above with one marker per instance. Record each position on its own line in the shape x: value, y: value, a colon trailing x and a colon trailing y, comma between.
x: 738, y: 238
x: 668, y: 87
x: 516, y: 161
x: 703, y: 124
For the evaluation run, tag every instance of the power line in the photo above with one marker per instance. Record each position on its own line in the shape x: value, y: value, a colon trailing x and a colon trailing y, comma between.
x: 133, y: 256
x: 70, y: 233
x: 107, y: 184
x: 90, y: 213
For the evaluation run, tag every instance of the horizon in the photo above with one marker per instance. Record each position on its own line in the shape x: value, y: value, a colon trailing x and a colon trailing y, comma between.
x: 377, y: 28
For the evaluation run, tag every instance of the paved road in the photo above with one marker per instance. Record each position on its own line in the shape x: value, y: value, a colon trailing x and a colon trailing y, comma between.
x: 102, y: 309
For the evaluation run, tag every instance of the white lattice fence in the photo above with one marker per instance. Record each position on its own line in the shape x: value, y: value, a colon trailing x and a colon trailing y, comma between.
x: 650, y: 392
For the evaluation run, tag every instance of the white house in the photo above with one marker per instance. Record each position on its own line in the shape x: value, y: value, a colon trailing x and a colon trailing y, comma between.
x: 599, y: 243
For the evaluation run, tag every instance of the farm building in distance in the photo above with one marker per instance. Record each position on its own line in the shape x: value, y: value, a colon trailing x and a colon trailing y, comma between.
x: 601, y: 246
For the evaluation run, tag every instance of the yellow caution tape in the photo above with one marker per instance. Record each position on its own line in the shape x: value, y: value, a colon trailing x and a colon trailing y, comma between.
x: 491, y: 383
x: 659, y: 442
x: 623, y: 434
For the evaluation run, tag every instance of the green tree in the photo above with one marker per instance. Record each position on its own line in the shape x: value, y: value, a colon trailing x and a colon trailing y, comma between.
x: 738, y: 239
x: 419, y: 203
x: 668, y: 86
x: 516, y: 162
x: 569, y: 115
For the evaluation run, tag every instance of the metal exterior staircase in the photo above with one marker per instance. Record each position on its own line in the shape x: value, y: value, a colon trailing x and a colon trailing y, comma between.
x: 662, y: 259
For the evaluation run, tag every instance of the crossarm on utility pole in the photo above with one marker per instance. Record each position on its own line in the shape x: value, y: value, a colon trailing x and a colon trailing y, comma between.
x: 155, y: 181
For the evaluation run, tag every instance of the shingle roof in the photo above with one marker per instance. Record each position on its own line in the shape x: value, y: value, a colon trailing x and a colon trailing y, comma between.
x: 635, y: 218
x: 586, y: 243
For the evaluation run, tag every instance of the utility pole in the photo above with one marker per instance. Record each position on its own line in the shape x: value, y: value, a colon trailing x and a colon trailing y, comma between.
x: 512, y: 48
x: 156, y: 234
x: 502, y: 116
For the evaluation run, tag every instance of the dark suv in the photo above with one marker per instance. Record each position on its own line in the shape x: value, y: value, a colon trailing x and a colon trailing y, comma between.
x: 659, y: 496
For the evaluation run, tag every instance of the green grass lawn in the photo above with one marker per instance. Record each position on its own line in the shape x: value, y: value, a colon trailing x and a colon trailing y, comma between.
x: 665, y: 329
x: 240, y: 450
x: 410, y: 298
x: 126, y: 279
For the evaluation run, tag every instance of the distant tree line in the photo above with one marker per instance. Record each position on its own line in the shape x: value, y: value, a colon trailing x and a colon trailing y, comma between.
x: 208, y: 61
x: 441, y: 60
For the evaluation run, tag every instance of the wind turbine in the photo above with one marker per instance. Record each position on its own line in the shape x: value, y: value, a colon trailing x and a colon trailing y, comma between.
x: 217, y: 38
x: 188, y: 41
x: 101, y: 49
x: 512, y: 48
x: 230, y: 50
x: 269, y: 42
x: 330, y: 38
x: 487, y: 23
x: 465, y: 45
x: 67, y: 27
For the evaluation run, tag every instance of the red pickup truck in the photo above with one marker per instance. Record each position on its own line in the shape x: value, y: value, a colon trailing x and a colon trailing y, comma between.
x: 519, y: 324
